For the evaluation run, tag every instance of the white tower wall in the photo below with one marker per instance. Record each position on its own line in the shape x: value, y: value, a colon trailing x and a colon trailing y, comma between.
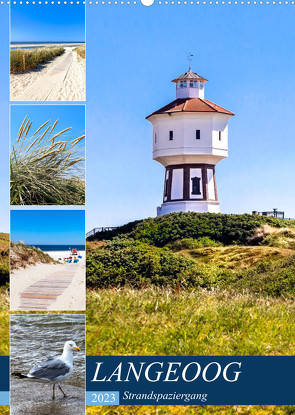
x: 185, y: 147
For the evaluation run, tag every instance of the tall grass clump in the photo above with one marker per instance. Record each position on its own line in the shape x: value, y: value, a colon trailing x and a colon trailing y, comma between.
x: 46, y: 168
x: 80, y: 51
x: 22, y: 60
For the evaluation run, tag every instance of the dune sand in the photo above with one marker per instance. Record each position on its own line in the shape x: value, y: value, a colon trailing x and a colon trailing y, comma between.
x: 62, y: 79
x: 72, y: 298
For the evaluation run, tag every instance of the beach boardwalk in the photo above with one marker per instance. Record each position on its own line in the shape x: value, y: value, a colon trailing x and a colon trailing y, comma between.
x: 42, y: 293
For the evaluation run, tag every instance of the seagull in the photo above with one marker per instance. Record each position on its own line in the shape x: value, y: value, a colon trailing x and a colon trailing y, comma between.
x: 53, y: 370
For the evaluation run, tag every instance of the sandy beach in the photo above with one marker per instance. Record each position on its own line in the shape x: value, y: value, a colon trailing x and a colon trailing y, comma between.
x: 72, y: 297
x: 61, y: 79
x: 57, y: 255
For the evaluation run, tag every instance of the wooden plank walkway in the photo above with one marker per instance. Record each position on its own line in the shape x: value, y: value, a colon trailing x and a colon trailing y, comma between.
x: 45, y: 291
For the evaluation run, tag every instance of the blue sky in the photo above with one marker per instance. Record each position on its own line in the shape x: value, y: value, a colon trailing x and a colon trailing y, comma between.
x: 67, y: 116
x: 47, y: 22
x: 48, y: 227
x: 133, y: 52
x: 248, y: 55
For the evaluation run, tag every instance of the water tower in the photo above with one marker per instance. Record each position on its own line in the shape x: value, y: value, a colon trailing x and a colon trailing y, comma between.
x: 190, y: 136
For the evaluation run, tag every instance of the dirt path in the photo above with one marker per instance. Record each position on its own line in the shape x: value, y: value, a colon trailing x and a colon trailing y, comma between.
x: 49, y: 287
x: 62, y: 79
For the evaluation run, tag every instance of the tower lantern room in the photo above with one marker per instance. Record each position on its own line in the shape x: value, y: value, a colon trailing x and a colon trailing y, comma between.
x: 190, y: 136
x: 190, y: 85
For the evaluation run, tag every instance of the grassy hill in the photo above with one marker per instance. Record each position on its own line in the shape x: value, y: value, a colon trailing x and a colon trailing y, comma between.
x: 192, y: 284
x: 227, y: 229
x: 188, y: 250
x: 22, y: 255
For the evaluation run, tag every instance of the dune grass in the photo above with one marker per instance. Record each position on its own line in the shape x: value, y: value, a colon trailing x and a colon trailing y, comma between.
x: 80, y: 51
x: 190, y: 410
x: 46, y: 168
x: 22, y: 60
x: 188, y: 323
x: 22, y: 255
x: 235, y: 257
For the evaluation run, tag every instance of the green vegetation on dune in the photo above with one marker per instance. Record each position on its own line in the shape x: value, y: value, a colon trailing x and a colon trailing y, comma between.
x: 22, y: 60
x: 192, y: 284
x: 125, y: 262
x: 191, y: 251
x: 80, y: 51
x: 235, y: 257
x: 227, y: 229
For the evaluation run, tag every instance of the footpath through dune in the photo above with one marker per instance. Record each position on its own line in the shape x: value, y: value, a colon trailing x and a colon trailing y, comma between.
x: 62, y: 79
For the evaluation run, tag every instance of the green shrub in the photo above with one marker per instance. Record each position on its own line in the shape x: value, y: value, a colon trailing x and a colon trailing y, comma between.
x: 223, y: 228
x: 227, y: 229
x: 273, y: 278
x: 4, y: 272
x: 127, y: 262
x: 191, y: 243
x: 136, y: 264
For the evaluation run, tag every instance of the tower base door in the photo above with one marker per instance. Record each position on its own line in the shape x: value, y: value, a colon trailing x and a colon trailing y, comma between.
x: 200, y: 206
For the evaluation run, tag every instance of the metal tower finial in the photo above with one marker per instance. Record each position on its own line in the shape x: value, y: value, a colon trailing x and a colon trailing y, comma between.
x: 189, y: 57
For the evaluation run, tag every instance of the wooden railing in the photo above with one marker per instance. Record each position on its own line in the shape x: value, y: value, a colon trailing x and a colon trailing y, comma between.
x: 102, y: 229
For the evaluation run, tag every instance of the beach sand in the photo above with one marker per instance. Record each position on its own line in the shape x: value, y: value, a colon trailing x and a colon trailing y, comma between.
x: 61, y: 79
x: 56, y: 255
x: 73, y: 297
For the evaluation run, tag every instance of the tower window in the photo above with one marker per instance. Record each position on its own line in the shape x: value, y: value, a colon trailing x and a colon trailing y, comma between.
x: 193, y: 84
x: 183, y: 84
x: 219, y: 135
x: 170, y: 135
x: 155, y: 138
x: 198, y: 134
x: 196, y: 189
x: 201, y: 85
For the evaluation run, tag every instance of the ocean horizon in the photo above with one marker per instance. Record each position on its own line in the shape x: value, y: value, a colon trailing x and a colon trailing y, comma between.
x: 45, y: 43
x: 29, y: 45
x: 59, y: 247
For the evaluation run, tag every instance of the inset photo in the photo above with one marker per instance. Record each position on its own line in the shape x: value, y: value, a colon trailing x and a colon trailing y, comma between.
x: 47, y: 260
x: 47, y: 52
x: 47, y: 364
x: 47, y: 155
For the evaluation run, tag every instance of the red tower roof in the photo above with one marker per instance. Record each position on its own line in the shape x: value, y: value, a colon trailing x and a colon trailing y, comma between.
x: 191, y: 105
